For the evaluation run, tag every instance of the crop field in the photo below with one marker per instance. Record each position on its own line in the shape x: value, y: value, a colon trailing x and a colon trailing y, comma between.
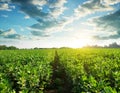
x: 87, y: 70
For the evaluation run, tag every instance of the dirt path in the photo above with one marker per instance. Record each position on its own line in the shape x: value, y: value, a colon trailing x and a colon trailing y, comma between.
x: 59, y: 81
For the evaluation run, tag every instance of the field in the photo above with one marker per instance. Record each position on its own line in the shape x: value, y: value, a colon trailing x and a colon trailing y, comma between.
x: 89, y: 70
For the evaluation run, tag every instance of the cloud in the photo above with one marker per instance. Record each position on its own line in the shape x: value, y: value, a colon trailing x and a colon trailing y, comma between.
x: 10, y: 34
x: 5, y: 1
x: 45, y: 28
x: 56, y: 3
x: 43, y: 25
x: 4, y: 6
x: 57, y: 7
x: 90, y: 7
x: 109, y: 23
x: 14, y: 36
x: 0, y: 31
x: 27, y: 17
x: 38, y: 2
x: 35, y: 8
x: 55, y: 12
x: 5, y: 16
x: 111, y: 2
x: 97, y: 37
x: 87, y: 8
x: 49, y: 13
x: 38, y: 33
x: 45, y: 12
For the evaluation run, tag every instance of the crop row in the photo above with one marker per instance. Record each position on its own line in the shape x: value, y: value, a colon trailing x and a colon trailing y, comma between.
x: 67, y: 70
x: 25, y: 71
x: 92, y: 70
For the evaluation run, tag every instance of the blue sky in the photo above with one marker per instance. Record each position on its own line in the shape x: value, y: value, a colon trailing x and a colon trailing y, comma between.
x: 58, y: 23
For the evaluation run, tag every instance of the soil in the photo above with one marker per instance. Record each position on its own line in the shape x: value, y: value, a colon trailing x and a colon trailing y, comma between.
x: 59, y: 80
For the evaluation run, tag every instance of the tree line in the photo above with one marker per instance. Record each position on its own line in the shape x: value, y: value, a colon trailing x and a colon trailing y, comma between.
x: 4, y: 47
x: 113, y: 45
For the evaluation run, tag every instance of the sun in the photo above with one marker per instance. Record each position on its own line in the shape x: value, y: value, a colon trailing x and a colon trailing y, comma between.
x: 80, y: 42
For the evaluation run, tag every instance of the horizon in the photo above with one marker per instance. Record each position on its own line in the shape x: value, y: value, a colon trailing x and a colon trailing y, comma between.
x: 112, y: 45
x: 59, y: 23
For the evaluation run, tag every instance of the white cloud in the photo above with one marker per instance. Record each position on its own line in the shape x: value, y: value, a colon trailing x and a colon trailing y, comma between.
x: 57, y: 7
x: 12, y: 7
x: 111, y: 2
x: 38, y: 2
x: 45, y: 29
x: 90, y: 7
x: 107, y: 25
x: 22, y: 29
x: 57, y: 11
x: 8, y: 32
x: 11, y: 34
x: 57, y: 3
x: 27, y: 17
x: 4, y: 6
x: 47, y: 18
x: 4, y: 16
x: 48, y: 13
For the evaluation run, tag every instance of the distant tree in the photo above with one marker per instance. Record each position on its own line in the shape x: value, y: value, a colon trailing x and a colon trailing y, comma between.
x: 93, y: 46
x: 4, y: 47
x: 114, y: 45
x: 65, y: 48
x: 36, y: 48
x: 12, y: 48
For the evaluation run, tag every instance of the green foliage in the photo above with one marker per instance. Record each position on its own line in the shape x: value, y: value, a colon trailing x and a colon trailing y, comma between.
x: 92, y: 70
x: 88, y: 70
x: 25, y: 71
x: 4, y: 47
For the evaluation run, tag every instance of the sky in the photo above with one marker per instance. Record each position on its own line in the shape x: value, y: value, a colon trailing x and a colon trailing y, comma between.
x: 59, y: 23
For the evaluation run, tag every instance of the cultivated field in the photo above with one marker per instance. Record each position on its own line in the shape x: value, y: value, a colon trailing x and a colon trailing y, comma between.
x: 60, y: 71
